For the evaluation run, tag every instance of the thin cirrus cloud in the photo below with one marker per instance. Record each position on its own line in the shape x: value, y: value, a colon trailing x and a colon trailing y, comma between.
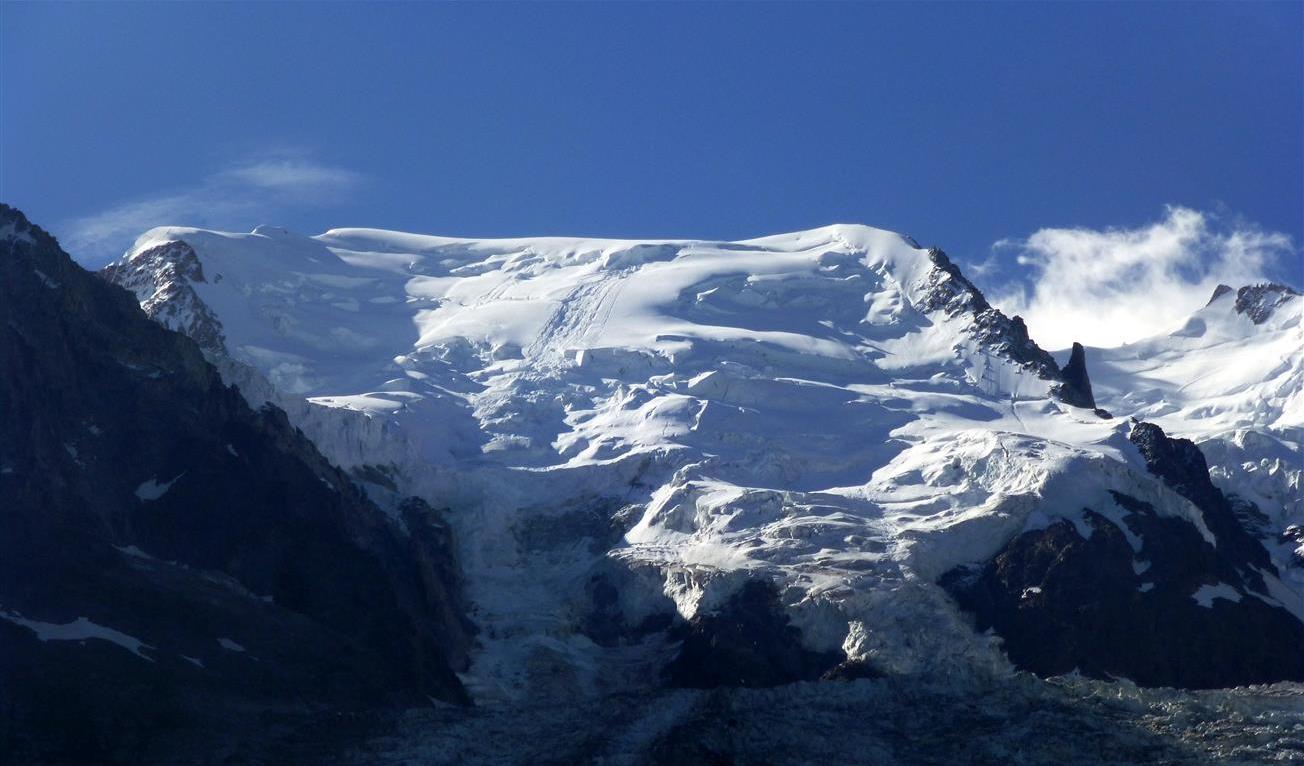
x: 1114, y: 286
x: 302, y: 178
x: 250, y: 190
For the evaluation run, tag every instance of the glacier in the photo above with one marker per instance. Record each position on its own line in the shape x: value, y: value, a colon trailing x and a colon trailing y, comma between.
x: 627, y: 431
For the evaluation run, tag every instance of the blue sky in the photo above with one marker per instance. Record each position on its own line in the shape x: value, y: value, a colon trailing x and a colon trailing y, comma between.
x: 964, y: 125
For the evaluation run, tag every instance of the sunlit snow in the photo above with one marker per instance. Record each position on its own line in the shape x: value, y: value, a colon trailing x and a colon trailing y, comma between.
x: 780, y: 407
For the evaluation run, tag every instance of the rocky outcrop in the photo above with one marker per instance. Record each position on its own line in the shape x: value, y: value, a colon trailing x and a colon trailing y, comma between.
x: 951, y: 292
x: 1077, y: 384
x: 1181, y: 465
x: 1152, y: 600
x: 1219, y: 292
x: 162, y: 279
x: 1258, y: 302
x: 431, y: 548
x: 176, y: 566
x: 748, y: 642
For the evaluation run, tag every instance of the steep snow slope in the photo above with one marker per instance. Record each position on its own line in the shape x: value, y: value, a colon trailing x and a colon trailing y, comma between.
x: 838, y: 410
x: 1237, y: 363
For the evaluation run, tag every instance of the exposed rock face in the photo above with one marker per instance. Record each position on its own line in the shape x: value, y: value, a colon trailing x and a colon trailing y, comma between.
x: 1007, y: 336
x: 1004, y: 335
x: 1219, y: 292
x: 749, y: 642
x: 161, y: 278
x: 1077, y: 385
x: 1259, y: 301
x: 432, y: 550
x: 174, y: 563
x: 1155, y: 602
x: 1181, y: 465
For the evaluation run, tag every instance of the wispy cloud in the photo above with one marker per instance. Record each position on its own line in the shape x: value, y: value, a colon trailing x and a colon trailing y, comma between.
x: 299, y: 177
x: 255, y: 189
x: 1110, y: 287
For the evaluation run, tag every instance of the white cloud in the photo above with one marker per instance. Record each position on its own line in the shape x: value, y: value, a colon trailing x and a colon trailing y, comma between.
x: 294, y: 176
x: 1106, y: 288
x: 256, y: 189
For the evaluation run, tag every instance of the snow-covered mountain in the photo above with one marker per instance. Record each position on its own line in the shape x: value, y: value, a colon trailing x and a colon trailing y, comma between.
x: 629, y: 432
x: 1231, y: 378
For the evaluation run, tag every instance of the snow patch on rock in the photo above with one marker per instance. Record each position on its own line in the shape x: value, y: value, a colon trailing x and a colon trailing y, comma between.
x: 80, y: 629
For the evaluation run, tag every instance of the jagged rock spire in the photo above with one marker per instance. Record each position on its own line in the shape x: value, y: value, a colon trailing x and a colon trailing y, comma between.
x: 1077, y: 384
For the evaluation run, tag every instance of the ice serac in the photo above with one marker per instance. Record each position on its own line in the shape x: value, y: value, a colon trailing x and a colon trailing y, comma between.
x: 641, y: 438
x: 175, y: 566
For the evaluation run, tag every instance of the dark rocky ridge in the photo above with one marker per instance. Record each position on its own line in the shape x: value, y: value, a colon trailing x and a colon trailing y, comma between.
x: 1258, y: 302
x: 951, y: 291
x: 161, y: 279
x: 1219, y: 292
x: 748, y: 642
x: 1077, y: 384
x: 262, y: 583
x: 1062, y: 601
x: 1181, y: 465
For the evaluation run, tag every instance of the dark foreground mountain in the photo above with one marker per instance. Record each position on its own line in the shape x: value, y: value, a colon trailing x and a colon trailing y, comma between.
x: 181, y: 574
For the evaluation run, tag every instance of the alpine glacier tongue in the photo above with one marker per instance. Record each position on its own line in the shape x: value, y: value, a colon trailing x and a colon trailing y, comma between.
x: 627, y: 431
